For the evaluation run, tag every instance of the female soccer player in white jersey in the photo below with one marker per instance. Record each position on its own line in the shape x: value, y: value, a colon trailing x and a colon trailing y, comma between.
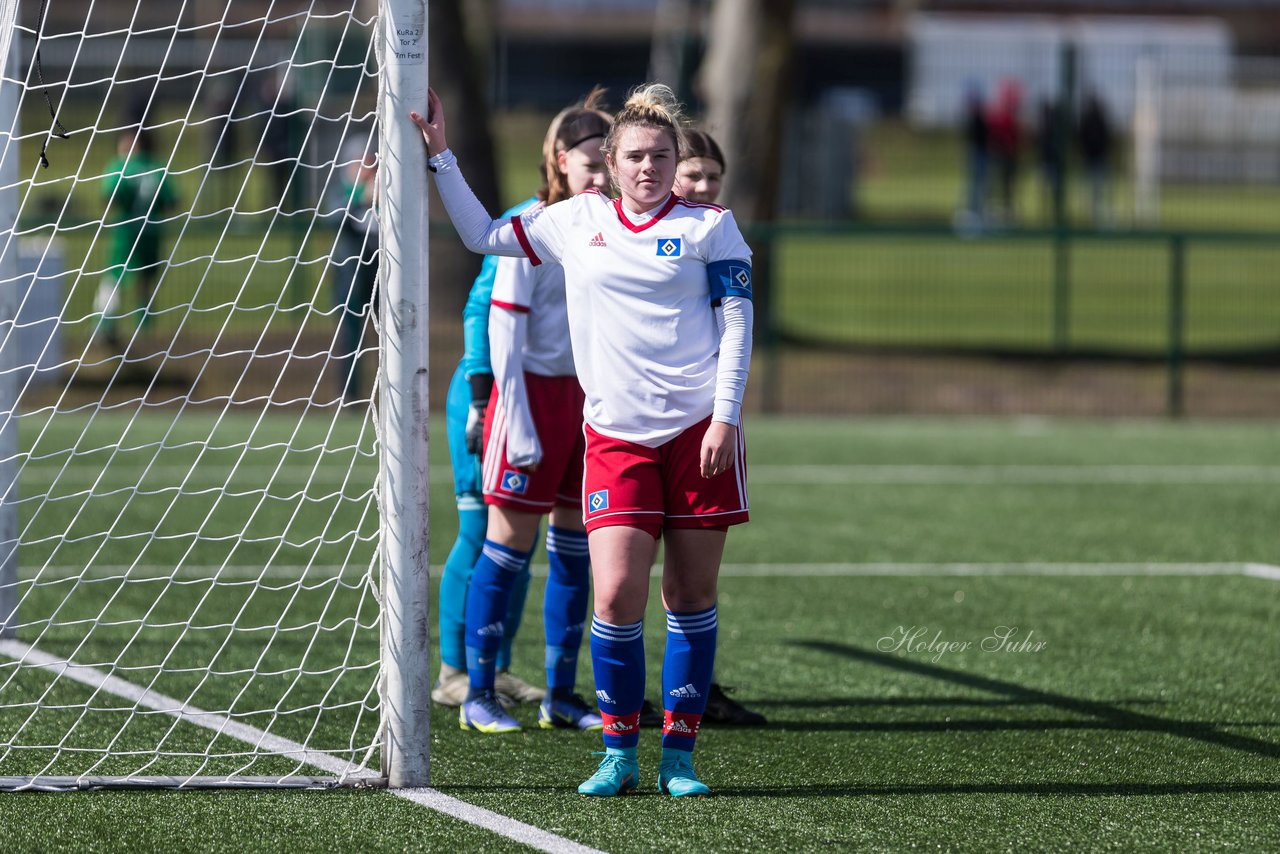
x: 533, y: 453
x: 658, y: 293
x: 465, y: 406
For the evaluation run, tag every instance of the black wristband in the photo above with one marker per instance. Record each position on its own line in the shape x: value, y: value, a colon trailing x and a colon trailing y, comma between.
x: 481, y: 386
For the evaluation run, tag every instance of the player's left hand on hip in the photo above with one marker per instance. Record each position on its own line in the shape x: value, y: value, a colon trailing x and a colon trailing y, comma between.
x: 718, y: 445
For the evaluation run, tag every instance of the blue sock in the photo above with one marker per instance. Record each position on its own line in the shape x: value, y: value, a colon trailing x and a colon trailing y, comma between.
x: 515, y: 613
x: 564, y: 607
x: 617, y: 658
x: 472, y: 519
x: 686, y: 675
x: 487, y: 598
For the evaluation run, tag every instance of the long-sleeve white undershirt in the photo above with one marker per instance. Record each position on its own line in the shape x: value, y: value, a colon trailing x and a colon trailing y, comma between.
x: 507, y: 332
x: 479, y: 231
x: 734, y: 317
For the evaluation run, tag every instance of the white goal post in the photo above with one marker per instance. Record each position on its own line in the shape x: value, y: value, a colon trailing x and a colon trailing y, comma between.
x: 213, y: 395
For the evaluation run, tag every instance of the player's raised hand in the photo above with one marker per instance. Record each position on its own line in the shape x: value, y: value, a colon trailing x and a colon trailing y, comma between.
x: 432, y: 124
x: 718, y: 446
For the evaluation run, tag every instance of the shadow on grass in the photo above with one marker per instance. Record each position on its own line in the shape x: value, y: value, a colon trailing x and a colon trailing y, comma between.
x: 985, y: 725
x: 1108, y: 715
x: 911, y: 702
x: 1034, y: 789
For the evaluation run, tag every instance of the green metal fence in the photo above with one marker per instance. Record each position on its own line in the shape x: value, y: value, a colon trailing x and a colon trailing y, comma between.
x: 1149, y: 303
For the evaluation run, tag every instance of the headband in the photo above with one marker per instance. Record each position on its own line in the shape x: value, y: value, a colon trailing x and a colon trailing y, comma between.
x: 584, y: 139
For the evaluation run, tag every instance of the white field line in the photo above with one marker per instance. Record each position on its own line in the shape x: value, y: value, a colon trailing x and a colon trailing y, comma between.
x: 1262, y: 570
x: 148, y: 699
x: 1010, y: 474
x: 744, y: 570
x: 430, y: 798
x: 800, y: 475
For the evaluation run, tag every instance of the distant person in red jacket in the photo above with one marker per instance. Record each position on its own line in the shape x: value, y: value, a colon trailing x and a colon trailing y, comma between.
x: 1004, y: 137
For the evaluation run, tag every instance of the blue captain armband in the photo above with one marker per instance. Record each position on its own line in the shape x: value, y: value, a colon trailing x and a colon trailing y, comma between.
x: 729, y: 279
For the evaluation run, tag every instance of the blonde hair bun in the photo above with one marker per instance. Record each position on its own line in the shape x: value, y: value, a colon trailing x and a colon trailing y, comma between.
x: 650, y: 105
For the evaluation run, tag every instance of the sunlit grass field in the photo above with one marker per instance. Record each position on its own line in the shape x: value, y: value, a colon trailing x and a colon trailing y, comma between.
x: 1140, y: 714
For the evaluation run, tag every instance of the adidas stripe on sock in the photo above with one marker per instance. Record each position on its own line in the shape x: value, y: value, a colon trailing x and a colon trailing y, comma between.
x: 564, y: 607
x: 617, y: 659
x: 686, y: 675
x: 488, y: 596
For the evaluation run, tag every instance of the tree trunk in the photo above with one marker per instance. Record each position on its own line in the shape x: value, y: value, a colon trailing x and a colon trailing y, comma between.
x: 668, y: 55
x: 746, y: 113
x: 746, y: 104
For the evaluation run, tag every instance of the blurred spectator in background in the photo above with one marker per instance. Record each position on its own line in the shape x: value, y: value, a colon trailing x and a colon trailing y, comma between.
x: 1096, y: 142
x: 1004, y: 141
x: 281, y: 143
x: 221, y: 130
x: 223, y: 144
x: 355, y: 262
x: 138, y: 197
x: 1049, y: 152
x: 973, y: 210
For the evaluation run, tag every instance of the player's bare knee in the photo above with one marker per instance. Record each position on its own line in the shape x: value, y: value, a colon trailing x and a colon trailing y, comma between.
x: 569, y: 518
x: 512, y: 528
x: 681, y: 593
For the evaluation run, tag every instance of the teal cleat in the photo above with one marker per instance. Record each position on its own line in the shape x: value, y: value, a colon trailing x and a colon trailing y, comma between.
x: 571, y: 712
x: 676, y: 776
x: 485, y: 714
x: 618, y: 774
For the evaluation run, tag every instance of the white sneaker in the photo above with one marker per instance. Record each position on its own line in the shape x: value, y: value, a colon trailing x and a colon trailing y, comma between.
x: 512, y: 689
x: 451, y: 688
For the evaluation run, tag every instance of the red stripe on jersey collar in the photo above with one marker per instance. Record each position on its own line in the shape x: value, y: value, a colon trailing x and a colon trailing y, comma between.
x: 622, y: 214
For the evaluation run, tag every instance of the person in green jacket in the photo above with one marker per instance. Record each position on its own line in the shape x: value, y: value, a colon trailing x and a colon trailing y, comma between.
x: 138, y: 198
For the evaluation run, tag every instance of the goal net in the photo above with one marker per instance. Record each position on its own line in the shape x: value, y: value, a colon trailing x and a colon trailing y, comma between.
x: 191, y: 443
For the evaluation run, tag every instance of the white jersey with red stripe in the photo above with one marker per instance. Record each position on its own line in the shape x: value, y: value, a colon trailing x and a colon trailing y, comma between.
x: 538, y: 292
x: 640, y: 305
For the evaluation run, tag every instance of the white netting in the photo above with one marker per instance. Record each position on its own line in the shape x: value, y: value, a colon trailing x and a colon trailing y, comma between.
x: 195, y: 461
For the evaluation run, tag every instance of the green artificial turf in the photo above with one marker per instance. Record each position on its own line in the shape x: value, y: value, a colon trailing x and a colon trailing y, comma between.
x: 1139, y: 714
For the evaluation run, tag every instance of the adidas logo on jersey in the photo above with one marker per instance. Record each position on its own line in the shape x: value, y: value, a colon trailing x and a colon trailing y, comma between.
x: 598, y: 240
x: 678, y: 727
x: 603, y: 696
x: 491, y: 630
x: 686, y: 692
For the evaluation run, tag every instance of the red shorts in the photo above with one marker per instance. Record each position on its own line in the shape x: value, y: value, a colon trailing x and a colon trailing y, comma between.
x: 556, y: 404
x: 662, y: 487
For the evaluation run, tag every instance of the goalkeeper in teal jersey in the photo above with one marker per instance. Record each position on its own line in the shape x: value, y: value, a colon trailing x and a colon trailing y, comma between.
x: 464, y: 415
x: 138, y: 197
